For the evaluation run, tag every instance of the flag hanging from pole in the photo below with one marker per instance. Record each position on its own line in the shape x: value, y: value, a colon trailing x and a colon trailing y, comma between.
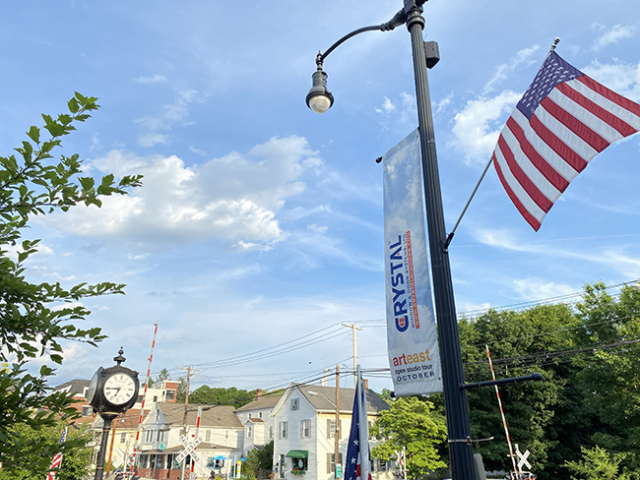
x: 564, y: 119
x: 411, y: 327
x: 57, y: 458
x: 358, y: 461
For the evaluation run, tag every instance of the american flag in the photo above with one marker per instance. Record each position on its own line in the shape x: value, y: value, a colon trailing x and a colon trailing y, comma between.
x: 358, y: 438
x: 57, y: 459
x: 564, y: 119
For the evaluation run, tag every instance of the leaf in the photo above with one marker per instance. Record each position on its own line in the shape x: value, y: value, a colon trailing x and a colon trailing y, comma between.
x: 34, y: 134
x: 73, y: 105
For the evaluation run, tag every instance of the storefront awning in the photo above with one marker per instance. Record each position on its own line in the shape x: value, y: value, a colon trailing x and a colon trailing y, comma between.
x: 220, y: 457
x: 298, y: 454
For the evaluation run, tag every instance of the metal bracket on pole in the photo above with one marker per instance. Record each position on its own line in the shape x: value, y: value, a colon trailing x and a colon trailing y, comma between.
x: 470, y: 440
x: 502, y: 381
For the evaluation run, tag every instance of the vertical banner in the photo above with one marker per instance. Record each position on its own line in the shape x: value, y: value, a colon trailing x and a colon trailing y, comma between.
x: 411, y: 330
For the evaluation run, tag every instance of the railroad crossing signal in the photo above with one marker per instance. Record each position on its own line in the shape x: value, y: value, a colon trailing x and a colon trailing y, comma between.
x: 189, y: 449
x: 522, y: 458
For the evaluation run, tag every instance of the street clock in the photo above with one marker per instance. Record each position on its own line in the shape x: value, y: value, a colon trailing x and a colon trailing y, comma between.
x: 115, y: 389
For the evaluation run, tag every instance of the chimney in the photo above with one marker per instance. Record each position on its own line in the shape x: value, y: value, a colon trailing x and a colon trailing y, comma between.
x: 366, y: 384
x: 258, y: 394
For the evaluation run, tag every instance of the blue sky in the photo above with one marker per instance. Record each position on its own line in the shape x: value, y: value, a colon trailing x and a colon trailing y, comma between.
x: 261, y: 221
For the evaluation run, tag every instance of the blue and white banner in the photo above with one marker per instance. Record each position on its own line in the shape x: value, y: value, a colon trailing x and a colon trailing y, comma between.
x: 411, y: 329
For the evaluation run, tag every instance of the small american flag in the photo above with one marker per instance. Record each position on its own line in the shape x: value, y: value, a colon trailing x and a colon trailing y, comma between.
x: 358, y: 447
x: 563, y: 120
x: 57, y: 459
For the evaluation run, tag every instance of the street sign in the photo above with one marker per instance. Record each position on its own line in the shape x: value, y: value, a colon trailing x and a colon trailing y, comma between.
x: 338, y: 470
x: 189, y: 449
x: 522, y: 458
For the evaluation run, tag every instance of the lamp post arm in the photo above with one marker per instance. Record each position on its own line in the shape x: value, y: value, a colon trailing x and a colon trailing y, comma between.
x: 399, y: 19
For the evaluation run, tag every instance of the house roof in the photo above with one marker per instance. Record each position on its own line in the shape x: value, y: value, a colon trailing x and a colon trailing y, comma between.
x: 76, y: 386
x: 324, y: 398
x: 212, y: 416
x: 256, y: 420
x: 265, y: 401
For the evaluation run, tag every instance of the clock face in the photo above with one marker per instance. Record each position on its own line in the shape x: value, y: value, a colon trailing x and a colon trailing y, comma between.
x: 92, y: 388
x: 119, y: 389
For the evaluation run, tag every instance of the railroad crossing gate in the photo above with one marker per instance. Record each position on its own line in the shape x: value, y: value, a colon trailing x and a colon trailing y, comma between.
x: 189, y: 449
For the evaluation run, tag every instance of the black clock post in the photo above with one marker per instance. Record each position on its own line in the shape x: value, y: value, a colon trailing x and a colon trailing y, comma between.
x: 112, y: 391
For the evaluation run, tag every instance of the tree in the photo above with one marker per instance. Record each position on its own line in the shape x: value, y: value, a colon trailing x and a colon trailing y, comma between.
x: 412, y: 423
x: 221, y: 396
x: 597, y: 464
x: 45, y: 443
x: 36, y: 318
x: 162, y: 376
x: 259, y: 463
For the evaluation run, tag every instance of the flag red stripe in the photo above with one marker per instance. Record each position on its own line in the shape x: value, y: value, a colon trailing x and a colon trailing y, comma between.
x: 562, y: 149
x: 536, y: 195
x: 523, y: 211
x: 540, y: 163
x: 615, y: 122
x: 587, y: 135
x: 610, y: 94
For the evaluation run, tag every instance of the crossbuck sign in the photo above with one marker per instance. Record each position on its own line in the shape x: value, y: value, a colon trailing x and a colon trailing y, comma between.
x: 189, y: 448
x: 522, y: 458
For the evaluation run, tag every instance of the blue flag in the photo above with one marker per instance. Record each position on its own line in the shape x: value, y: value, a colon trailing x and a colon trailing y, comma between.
x: 358, y: 446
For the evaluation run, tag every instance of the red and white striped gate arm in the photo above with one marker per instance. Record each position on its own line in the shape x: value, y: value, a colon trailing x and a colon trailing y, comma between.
x: 504, y: 420
x: 144, y: 397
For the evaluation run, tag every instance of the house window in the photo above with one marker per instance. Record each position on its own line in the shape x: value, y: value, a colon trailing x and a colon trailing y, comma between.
x: 123, y: 438
x: 207, y: 436
x: 305, y: 429
x: 226, y: 434
x: 331, y: 464
x: 249, y: 432
x: 260, y: 414
x: 87, y: 410
x: 249, y: 415
x: 331, y: 429
x: 380, y: 466
x: 148, y: 438
x: 270, y: 432
x: 283, y: 429
x: 295, y: 403
x: 144, y: 461
x: 155, y: 398
x: 299, y: 464
x: 160, y: 437
x: 171, y: 395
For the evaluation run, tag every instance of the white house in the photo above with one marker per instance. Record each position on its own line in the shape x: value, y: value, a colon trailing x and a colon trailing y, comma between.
x: 220, y: 430
x: 304, y: 443
x: 259, y: 425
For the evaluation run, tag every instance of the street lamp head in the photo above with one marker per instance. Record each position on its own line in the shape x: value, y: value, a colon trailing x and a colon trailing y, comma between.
x: 319, y: 99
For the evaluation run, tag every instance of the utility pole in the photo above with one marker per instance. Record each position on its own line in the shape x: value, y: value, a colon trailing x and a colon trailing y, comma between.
x: 190, y: 373
x: 336, y: 458
x: 355, y: 351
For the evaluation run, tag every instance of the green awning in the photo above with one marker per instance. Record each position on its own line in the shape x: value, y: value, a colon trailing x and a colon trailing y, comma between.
x: 298, y: 454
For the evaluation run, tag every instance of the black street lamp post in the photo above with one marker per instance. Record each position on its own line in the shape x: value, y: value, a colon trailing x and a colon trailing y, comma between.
x: 112, y: 391
x: 319, y: 100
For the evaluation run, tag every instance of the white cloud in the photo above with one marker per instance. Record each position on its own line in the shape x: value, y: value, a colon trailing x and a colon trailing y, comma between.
x: 536, y: 288
x: 623, y: 78
x: 387, y: 107
x: 616, y: 33
x: 198, y: 151
x: 442, y: 105
x: 522, y: 59
x: 170, y: 115
x: 235, y: 197
x: 474, y: 308
x: 614, y: 258
x: 152, y: 79
x: 476, y: 127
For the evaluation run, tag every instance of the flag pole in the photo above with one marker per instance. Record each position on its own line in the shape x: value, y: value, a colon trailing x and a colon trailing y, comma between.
x: 464, y: 210
x: 363, y: 431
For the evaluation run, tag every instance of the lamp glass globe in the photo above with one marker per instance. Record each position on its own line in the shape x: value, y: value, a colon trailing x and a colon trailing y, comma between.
x: 319, y: 103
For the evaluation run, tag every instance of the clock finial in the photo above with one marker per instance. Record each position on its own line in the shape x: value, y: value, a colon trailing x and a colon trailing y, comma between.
x: 120, y: 359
